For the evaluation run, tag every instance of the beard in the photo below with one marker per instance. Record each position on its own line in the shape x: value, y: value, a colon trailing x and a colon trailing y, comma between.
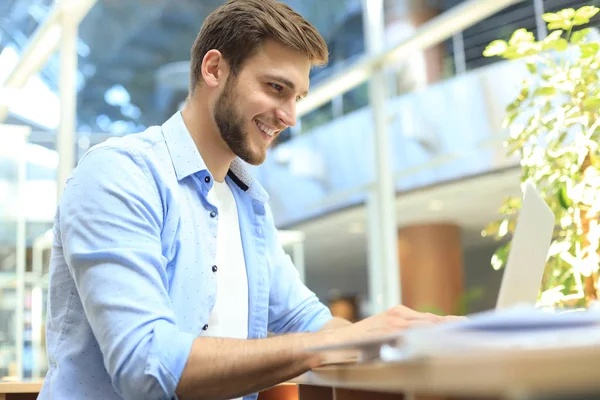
x: 230, y: 123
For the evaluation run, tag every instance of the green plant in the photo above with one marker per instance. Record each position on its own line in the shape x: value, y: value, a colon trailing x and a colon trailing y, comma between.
x: 554, y: 130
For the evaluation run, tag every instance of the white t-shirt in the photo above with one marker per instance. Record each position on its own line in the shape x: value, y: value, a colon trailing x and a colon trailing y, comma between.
x: 229, y: 317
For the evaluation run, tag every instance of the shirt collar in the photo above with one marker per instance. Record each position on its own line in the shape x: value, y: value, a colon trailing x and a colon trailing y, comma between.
x: 187, y: 160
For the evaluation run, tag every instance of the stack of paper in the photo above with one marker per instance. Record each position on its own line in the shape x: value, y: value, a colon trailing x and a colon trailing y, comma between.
x: 518, y: 327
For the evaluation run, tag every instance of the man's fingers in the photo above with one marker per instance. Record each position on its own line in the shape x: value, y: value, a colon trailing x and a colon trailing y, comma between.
x: 455, y: 318
x: 408, y: 313
x: 413, y: 315
x: 419, y: 323
x: 418, y: 316
x: 396, y: 325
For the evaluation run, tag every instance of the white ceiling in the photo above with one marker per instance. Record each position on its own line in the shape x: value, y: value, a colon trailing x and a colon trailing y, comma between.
x: 338, y: 240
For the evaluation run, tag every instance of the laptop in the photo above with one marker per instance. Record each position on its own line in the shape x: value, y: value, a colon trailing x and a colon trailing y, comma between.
x: 528, y: 253
x: 521, y: 281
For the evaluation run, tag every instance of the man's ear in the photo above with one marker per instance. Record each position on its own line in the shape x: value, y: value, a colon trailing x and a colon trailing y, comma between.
x: 213, y: 68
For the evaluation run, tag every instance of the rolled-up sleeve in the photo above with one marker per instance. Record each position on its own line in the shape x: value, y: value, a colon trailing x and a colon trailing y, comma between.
x: 293, y: 307
x: 110, y: 227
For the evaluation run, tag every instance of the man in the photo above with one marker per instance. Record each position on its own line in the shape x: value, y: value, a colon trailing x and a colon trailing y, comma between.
x: 166, y: 272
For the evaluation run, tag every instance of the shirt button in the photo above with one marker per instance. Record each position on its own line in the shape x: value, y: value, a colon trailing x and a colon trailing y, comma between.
x: 213, y: 214
x: 214, y: 268
x: 207, y: 179
x: 205, y: 327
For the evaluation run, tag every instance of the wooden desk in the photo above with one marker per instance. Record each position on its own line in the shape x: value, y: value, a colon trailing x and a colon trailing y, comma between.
x: 557, y: 373
x: 516, y: 374
x: 20, y: 390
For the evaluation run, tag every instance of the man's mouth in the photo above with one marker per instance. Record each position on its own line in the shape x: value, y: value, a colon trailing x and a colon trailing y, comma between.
x: 265, y: 129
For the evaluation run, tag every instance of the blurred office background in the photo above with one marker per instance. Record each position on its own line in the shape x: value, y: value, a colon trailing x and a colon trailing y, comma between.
x: 119, y: 66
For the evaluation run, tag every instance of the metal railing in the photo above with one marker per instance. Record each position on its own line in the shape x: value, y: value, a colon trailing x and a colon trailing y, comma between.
x: 429, y: 34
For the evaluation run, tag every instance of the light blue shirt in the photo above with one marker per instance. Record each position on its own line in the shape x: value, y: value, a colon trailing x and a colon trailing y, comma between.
x: 132, y: 282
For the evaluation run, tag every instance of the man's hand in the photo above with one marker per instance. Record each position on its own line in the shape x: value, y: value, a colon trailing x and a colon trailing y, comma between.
x: 399, y: 318
x: 395, y: 319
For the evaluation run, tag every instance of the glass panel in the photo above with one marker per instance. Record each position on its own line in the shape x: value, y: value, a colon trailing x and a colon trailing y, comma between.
x: 36, y: 296
x: 34, y: 345
x: 27, y: 204
x: 12, y: 247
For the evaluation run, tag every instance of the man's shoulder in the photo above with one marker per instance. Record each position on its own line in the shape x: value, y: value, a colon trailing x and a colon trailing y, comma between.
x: 121, y: 166
x: 126, y: 161
x: 135, y: 143
x: 141, y: 148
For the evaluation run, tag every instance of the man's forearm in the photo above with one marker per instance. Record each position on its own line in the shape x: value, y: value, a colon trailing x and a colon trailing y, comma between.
x: 335, y: 323
x: 220, y: 368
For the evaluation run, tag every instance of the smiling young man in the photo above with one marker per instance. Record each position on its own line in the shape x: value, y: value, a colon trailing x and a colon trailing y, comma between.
x: 166, y: 272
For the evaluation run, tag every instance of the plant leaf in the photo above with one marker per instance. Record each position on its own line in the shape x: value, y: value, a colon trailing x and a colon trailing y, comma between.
x: 567, y: 14
x: 561, y: 44
x: 521, y: 36
x: 511, y: 205
x: 563, y: 24
x: 595, y: 160
x: 545, y: 91
x: 591, y: 104
x: 563, y: 198
x: 551, y: 17
x: 491, y: 229
x: 496, y: 48
x: 577, y: 21
x: 579, y: 36
x: 587, y: 12
x: 555, y: 35
x: 509, y: 119
x: 513, y: 106
x: 500, y: 255
x: 532, y: 68
x: 527, y: 48
x: 524, y: 94
x: 589, y: 49
x: 503, y: 229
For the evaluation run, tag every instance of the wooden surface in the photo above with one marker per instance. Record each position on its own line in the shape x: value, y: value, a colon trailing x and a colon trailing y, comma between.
x: 20, y: 387
x: 284, y: 391
x: 19, y: 390
x: 505, y: 374
x: 315, y: 392
x: 499, y: 374
x: 351, y: 394
x: 18, y: 396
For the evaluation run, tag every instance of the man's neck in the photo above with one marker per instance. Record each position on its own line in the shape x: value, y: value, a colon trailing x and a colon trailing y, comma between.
x: 214, y: 151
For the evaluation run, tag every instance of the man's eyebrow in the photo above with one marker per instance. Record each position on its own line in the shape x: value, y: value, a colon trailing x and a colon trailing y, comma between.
x: 285, y: 81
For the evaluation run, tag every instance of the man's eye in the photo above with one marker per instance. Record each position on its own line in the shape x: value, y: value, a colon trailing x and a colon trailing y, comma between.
x: 277, y: 87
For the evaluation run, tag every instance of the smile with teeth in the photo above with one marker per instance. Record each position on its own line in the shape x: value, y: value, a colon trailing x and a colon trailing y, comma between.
x: 270, y: 132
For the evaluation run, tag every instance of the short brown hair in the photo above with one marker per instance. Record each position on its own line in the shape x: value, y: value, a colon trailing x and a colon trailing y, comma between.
x: 239, y: 27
